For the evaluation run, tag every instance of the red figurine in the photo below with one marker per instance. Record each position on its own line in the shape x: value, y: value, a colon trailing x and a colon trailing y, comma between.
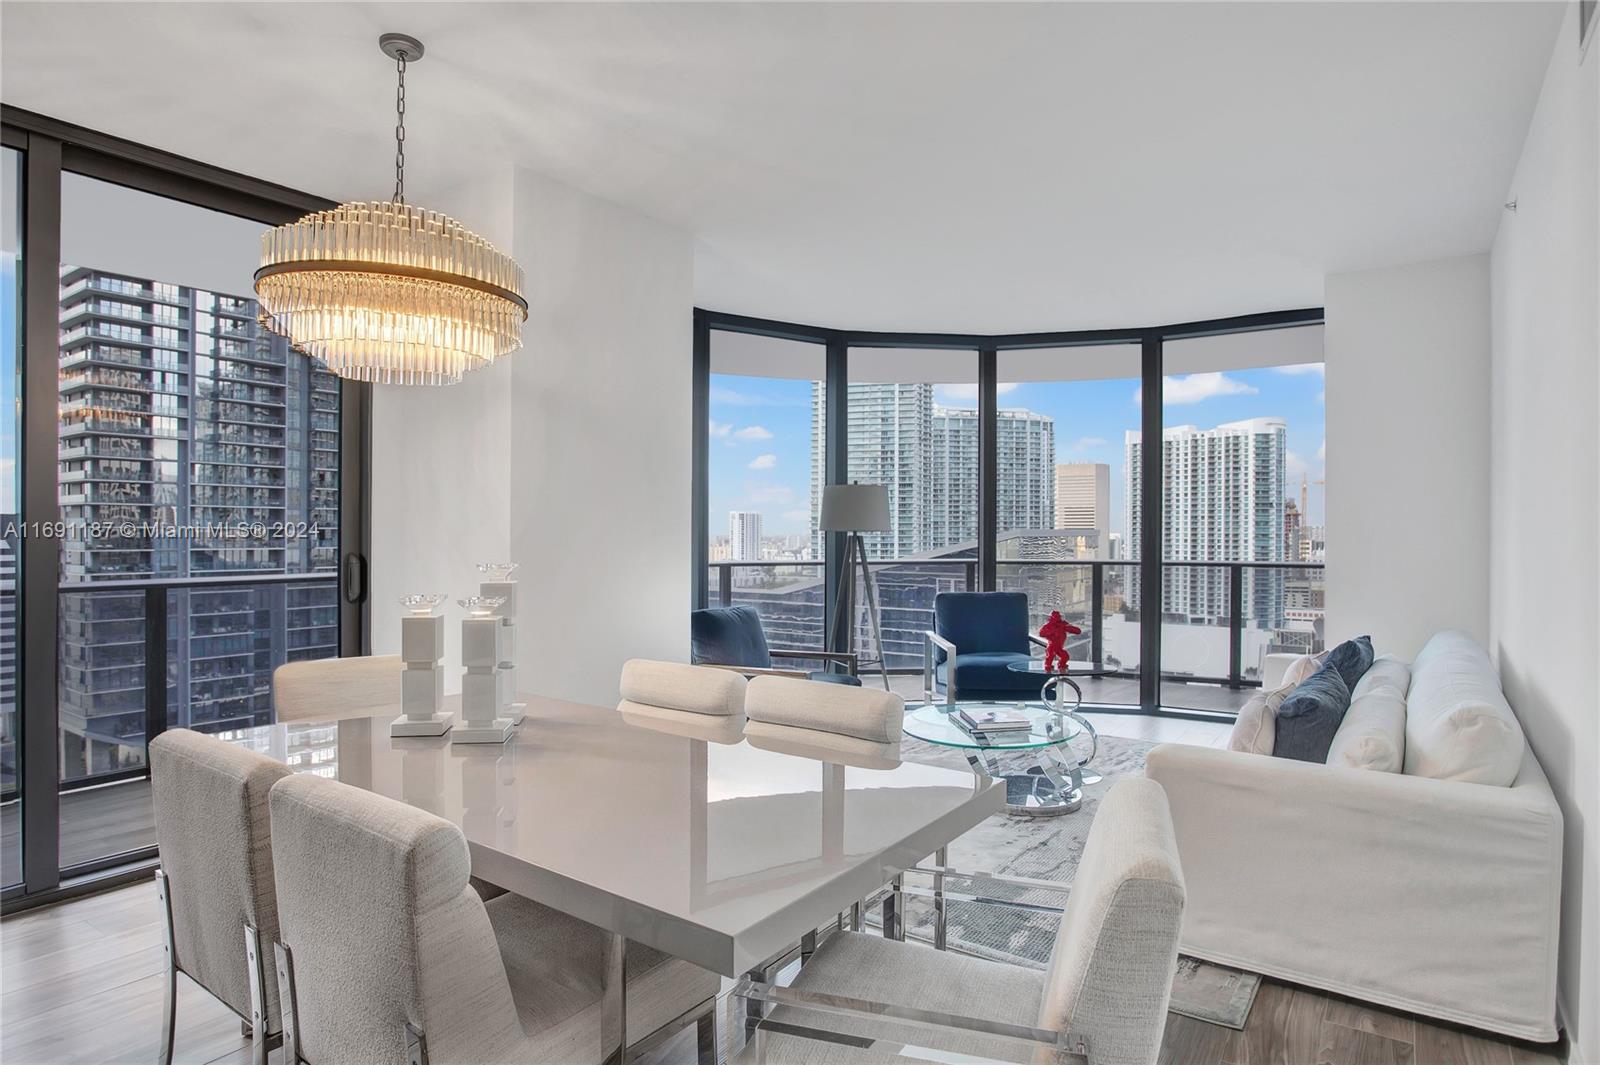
x: 1056, y: 631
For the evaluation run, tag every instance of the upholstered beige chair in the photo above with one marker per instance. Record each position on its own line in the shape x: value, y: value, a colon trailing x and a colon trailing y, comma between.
x: 215, y: 880
x: 387, y: 955
x: 327, y: 689
x: 1103, y: 998
x: 701, y: 702
x: 834, y: 723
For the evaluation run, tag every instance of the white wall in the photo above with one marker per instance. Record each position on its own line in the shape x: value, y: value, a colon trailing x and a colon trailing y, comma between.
x: 571, y: 456
x: 600, y: 437
x: 1545, y: 483
x: 1407, y: 354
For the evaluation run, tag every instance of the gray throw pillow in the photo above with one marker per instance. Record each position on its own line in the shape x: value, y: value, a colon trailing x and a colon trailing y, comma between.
x: 1352, y: 659
x: 1310, y: 716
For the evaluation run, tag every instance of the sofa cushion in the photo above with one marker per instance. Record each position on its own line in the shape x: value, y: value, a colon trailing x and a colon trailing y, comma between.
x: 1352, y: 659
x: 1255, y: 729
x: 1458, y: 723
x: 1373, y: 732
x: 1310, y: 716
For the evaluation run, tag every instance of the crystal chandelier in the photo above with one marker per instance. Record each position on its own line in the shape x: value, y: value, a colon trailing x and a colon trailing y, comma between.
x: 387, y: 292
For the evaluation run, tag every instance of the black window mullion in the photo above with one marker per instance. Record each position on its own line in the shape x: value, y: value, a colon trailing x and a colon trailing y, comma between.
x: 40, y: 512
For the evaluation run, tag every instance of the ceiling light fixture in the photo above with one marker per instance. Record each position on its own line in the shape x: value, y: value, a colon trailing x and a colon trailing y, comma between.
x: 387, y: 292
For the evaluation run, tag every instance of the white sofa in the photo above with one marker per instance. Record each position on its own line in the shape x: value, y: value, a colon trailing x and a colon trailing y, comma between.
x: 1433, y: 896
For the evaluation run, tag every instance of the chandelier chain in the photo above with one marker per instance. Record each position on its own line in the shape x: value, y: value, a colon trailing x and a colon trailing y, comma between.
x: 400, y: 130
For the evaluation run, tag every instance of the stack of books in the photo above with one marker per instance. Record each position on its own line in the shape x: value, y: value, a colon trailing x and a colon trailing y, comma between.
x: 990, y: 720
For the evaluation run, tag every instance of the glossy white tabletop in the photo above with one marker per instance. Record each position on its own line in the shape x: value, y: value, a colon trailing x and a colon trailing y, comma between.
x: 719, y: 853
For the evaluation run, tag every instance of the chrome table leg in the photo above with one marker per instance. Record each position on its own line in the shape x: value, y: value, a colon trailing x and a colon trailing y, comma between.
x: 169, y: 1009
x: 941, y: 859
x: 893, y: 911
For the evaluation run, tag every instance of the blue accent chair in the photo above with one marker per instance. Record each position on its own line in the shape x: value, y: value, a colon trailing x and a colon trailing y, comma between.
x: 732, y: 636
x: 975, y: 638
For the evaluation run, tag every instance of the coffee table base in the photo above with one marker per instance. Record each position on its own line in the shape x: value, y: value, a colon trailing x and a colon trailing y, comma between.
x: 1057, y: 702
x: 1041, y: 790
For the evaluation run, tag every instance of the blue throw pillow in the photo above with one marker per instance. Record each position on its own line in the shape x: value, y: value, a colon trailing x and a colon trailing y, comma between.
x: 1352, y: 659
x: 1310, y: 716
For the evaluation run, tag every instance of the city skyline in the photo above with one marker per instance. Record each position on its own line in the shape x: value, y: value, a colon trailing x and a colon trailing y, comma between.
x: 761, y: 430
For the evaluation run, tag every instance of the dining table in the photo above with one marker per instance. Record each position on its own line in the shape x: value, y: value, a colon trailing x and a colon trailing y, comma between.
x: 689, y: 840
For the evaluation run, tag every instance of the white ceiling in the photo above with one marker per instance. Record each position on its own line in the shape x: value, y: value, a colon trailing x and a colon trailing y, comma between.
x: 983, y: 167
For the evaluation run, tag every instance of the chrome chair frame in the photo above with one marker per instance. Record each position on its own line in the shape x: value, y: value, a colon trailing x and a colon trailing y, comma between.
x: 253, y: 1026
x: 757, y: 989
x: 932, y: 640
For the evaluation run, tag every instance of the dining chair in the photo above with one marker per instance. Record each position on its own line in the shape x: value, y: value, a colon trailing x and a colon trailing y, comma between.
x: 827, y: 723
x: 702, y: 701
x: 1102, y: 1000
x: 215, y: 882
x: 733, y: 637
x: 386, y: 954
x: 328, y: 689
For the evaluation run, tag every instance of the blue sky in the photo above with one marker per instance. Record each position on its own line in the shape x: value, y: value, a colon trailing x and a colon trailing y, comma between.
x: 761, y: 431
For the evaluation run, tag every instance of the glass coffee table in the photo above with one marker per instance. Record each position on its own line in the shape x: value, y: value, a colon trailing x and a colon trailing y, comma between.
x: 1053, y: 692
x: 1042, y: 773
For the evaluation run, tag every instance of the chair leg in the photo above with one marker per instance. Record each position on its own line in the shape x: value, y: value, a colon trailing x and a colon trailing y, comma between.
x: 705, y: 1036
x: 169, y: 1008
x: 416, y: 1046
x: 256, y: 1027
x: 287, y: 1003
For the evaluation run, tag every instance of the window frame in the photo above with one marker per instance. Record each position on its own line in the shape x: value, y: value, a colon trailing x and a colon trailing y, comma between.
x: 50, y: 148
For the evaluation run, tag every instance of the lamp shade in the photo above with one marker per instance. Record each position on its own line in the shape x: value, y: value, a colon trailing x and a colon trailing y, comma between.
x: 855, y: 508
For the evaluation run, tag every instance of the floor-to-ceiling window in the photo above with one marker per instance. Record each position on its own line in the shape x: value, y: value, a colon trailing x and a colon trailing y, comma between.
x: 764, y: 471
x: 1017, y: 462
x: 10, y: 539
x: 912, y: 417
x: 1062, y: 499
x: 184, y: 468
x: 1242, y: 532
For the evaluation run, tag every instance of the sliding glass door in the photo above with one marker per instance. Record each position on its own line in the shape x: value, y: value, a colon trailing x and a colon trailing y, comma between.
x: 189, y: 517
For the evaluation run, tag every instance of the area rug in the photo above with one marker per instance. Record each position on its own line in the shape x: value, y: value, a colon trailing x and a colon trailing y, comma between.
x: 1048, y: 848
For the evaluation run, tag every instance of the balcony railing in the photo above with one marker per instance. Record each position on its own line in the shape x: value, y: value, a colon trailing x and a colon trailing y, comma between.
x: 1219, y: 619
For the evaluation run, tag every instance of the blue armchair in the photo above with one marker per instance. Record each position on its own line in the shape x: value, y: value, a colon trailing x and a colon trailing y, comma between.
x: 975, y: 638
x: 732, y: 637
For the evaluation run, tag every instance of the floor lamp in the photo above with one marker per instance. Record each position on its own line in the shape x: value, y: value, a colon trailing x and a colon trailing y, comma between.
x: 854, y: 509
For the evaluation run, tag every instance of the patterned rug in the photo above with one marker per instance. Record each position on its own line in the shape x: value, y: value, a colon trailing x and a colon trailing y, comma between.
x: 1048, y: 848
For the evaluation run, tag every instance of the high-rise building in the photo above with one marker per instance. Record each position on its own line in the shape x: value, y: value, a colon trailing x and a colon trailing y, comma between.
x: 1222, y: 501
x: 1083, y: 497
x: 192, y: 443
x: 1291, y: 531
x: 744, y: 535
x: 927, y: 456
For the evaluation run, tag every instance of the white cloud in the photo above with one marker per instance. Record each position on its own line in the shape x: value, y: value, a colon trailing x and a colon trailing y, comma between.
x: 1084, y: 443
x: 753, y: 432
x: 1184, y: 389
x: 1300, y: 368
x: 797, y: 515
x: 780, y: 494
x: 968, y: 393
x: 720, y: 430
x: 1322, y: 452
x: 1295, y: 466
x: 763, y: 462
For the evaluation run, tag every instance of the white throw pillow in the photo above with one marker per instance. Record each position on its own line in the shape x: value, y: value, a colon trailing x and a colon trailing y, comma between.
x: 1458, y: 723
x: 1386, y: 671
x: 1255, y: 730
x: 1303, y: 667
x: 1373, y: 732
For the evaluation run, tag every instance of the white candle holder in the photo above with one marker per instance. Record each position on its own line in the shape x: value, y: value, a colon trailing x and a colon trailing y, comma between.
x: 483, y: 717
x: 497, y: 584
x: 422, y: 679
